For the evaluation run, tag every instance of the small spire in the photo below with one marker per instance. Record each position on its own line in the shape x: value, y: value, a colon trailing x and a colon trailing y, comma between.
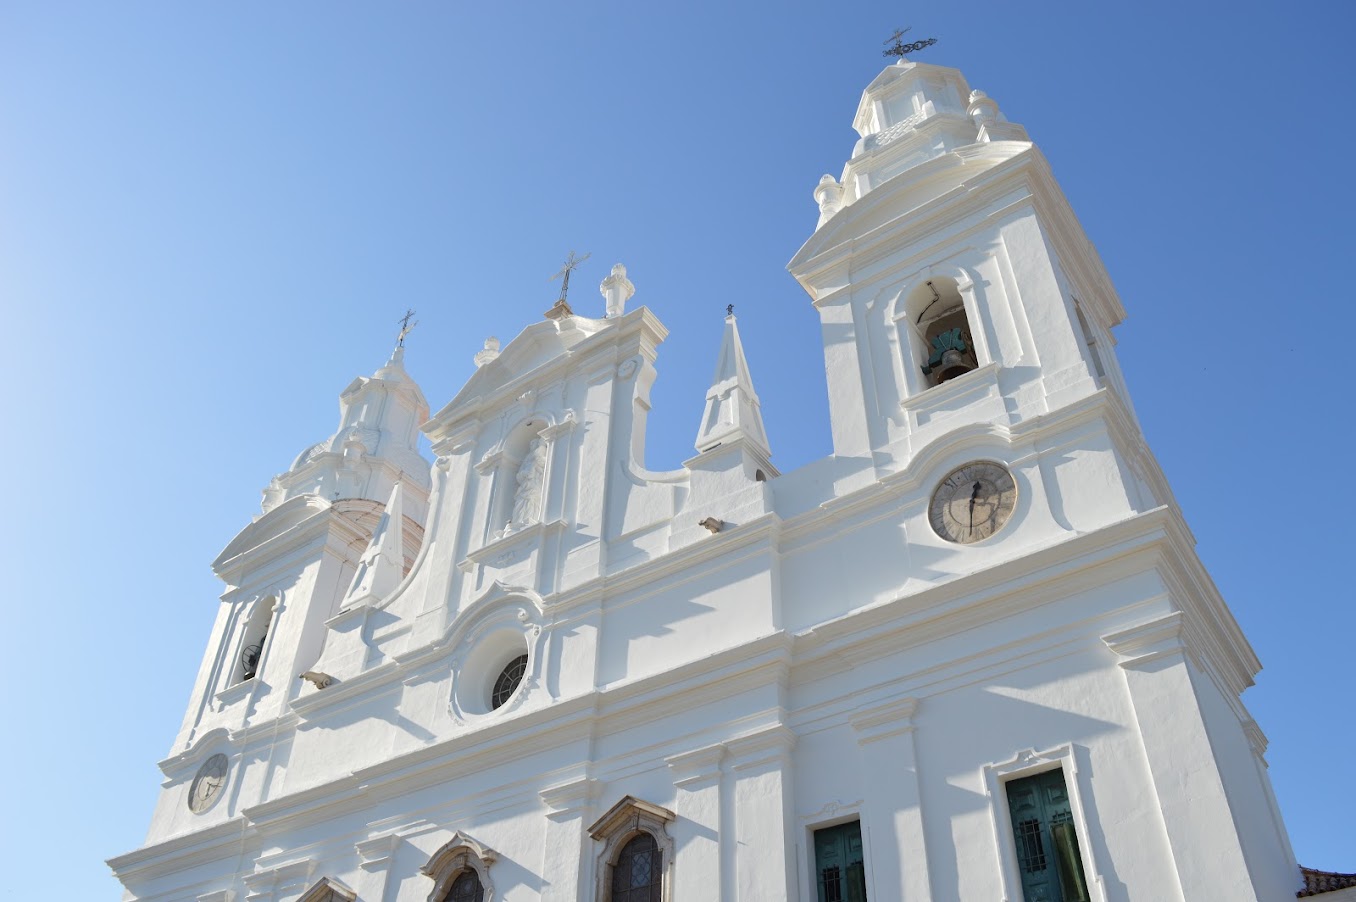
x: 382, y: 565
x: 732, y: 408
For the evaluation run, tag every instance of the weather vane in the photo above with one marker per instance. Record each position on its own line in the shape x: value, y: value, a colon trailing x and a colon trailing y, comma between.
x: 406, y: 327
x: 899, y: 48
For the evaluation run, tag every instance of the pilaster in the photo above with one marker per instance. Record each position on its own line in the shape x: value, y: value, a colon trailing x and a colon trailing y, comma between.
x: 565, y: 875
x: 893, y: 813
x: 1155, y: 658
x: 698, y: 829
x: 759, y: 769
x: 375, y: 857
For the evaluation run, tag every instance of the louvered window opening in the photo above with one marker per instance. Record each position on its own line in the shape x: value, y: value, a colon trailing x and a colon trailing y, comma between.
x: 509, y: 679
x: 637, y: 875
x: 466, y: 888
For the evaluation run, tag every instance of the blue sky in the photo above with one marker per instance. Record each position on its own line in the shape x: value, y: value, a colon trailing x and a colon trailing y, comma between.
x: 212, y: 215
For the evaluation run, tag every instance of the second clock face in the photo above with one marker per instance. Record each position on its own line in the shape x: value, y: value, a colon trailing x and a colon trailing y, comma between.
x: 973, y: 502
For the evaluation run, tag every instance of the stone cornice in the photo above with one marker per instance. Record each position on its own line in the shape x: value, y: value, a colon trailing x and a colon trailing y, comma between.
x: 880, y: 720
x: 569, y: 798
x: 207, y: 844
x: 691, y: 769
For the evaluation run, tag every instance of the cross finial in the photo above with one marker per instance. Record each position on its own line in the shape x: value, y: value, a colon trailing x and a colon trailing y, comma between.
x: 406, y: 327
x: 898, y: 47
x: 571, y: 264
x: 729, y: 309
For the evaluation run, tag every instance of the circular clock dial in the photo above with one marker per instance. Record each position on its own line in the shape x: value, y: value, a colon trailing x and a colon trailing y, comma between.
x: 207, y: 785
x: 973, y: 502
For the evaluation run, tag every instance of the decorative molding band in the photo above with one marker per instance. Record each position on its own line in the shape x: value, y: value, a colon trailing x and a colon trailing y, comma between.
x: 489, y: 461
x: 629, y: 808
x: 1256, y: 739
x: 570, y: 798
x: 376, y: 853
x: 327, y: 889
x: 1148, y: 642
x: 264, y: 885
x: 772, y: 743
x: 832, y: 810
x: 881, y: 721
x: 692, y: 769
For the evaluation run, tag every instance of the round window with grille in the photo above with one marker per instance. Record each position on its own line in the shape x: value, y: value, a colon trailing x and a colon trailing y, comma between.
x: 507, y: 683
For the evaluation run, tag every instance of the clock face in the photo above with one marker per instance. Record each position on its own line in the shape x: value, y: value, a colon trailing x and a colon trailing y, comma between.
x: 207, y: 785
x: 973, y: 502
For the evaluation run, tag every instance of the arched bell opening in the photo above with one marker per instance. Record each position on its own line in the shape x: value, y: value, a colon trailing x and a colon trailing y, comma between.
x: 941, y: 336
x: 251, y: 657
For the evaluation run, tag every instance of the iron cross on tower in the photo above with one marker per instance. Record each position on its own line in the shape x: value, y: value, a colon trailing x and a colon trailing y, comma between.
x: 571, y: 264
x: 406, y: 327
x: 899, y: 48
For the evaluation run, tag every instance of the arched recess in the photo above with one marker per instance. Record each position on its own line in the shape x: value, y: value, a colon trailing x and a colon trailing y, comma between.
x: 939, y: 328
x: 327, y: 889
x: 458, y: 855
x: 626, y: 821
x: 495, y: 630
x: 245, y: 653
x: 519, y: 471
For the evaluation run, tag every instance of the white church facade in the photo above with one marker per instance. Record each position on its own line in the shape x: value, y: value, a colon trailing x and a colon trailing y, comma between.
x: 971, y: 655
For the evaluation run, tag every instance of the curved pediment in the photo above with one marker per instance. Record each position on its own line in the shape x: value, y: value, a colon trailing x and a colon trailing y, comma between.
x: 898, y: 198
x: 288, y: 515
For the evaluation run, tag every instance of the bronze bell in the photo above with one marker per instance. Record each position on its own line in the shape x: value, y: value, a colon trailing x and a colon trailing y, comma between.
x: 953, y: 364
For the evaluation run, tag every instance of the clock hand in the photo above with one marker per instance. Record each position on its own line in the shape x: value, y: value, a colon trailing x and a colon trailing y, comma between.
x: 973, y: 495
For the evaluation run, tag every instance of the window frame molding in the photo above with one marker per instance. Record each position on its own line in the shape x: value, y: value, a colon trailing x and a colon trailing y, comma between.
x: 326, y: 889
x: 458, y: 854
x: 621, y: 824
x: 1029, y: 763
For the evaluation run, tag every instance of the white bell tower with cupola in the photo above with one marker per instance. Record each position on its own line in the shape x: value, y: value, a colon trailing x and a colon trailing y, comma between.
x: 345, y: 520
x: 955, y: 285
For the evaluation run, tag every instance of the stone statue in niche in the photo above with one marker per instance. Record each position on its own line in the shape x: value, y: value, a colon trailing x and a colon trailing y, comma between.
x: 530, y: 484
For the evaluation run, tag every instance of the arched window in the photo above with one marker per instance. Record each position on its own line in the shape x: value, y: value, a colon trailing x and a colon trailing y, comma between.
x: 939, y: 331
x: 251, y: 656
x: 637, y: 855
x: 466, y: 888
x: 638, y: 874
x: 460, y: 871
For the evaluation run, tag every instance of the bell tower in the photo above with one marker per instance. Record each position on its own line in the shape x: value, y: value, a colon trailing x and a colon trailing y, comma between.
x: 954, y: 284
